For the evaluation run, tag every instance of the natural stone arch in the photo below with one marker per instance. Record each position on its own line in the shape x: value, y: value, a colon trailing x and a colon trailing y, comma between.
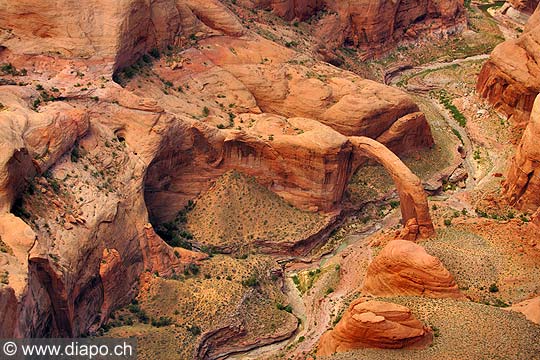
x: 413, y: 199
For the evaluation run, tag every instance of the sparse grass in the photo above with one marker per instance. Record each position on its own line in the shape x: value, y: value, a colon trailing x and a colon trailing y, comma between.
x: 237, y: 212
x: 180, y: 310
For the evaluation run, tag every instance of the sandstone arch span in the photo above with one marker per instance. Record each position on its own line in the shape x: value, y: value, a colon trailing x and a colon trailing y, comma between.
x: 413, y: 199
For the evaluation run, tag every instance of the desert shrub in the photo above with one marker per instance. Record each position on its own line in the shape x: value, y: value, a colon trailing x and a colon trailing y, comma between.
x: 194, y: 330
x: 75, y: 153
x: 162, y: 321
x: 329, y: 291
x: 251, y: 281
x: 155, y: 53
x: 287, y: 308
x: 445, y: 99
x: 192, y: 268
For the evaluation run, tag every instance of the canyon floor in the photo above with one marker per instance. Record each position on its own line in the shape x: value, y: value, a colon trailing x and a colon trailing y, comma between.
x: 278, y: 306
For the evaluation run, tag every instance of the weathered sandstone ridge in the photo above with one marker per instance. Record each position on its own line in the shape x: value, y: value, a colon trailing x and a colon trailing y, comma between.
x: 519, y: 10
x: 85, y: 161
x: 375, y: 324
x: 372, y: 26
x: 522, y: 185
x: 405, y: 268
x: 510, y: 79
x: 278, y: 101
x: 525, y: 6
x: 113, y: 33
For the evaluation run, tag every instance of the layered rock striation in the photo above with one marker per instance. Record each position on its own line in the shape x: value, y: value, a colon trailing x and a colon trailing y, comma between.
x: 86, y: 162
x: 372, y: 26
x: 375, y: 324
x: 405, y: 268
x: 510, y: 79
x: 522, y: 185
x: 524, y: 6
x: 115, y: 33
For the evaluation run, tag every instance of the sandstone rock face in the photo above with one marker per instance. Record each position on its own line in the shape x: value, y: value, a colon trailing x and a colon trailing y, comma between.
x: 8, y: 311
x: 375, y: 324
x: 510, y: 79
x: 530, y: 308
x: 210, y: 153
x: 525, y: 6
x: 373, y: 26
x: 405, y: 268
x: 278, y: 97
x: 90, y: 164
x: 536, y: 218
x: 117, y: 33
x: 410, y: 231
x: 522, y: 185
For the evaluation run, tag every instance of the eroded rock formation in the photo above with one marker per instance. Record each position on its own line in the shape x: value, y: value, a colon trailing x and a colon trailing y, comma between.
x: 525, y: 6
x: 405, y: 268
x: 510, y: 79
x: 413, y: 198
x: 372, y: 26
x: 87, y: 159
x: 375, y: 324
x: 522, y: 185
x: 280, y: 98
x: 116, y: 33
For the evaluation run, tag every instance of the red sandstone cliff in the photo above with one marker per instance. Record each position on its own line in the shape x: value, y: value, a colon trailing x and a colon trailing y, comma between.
x: 525, y: 6
x: 510, y: 79
x: 522, y: 185
x: 372, y: 26
x: 89, y: 226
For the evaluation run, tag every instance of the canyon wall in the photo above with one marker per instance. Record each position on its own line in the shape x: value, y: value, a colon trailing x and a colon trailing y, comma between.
x: 84, y: 160
x: 524, y: 6
x: 372, y: 26
x: 510, y: 79
x: 522, y: 185
x: 115, y: 33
